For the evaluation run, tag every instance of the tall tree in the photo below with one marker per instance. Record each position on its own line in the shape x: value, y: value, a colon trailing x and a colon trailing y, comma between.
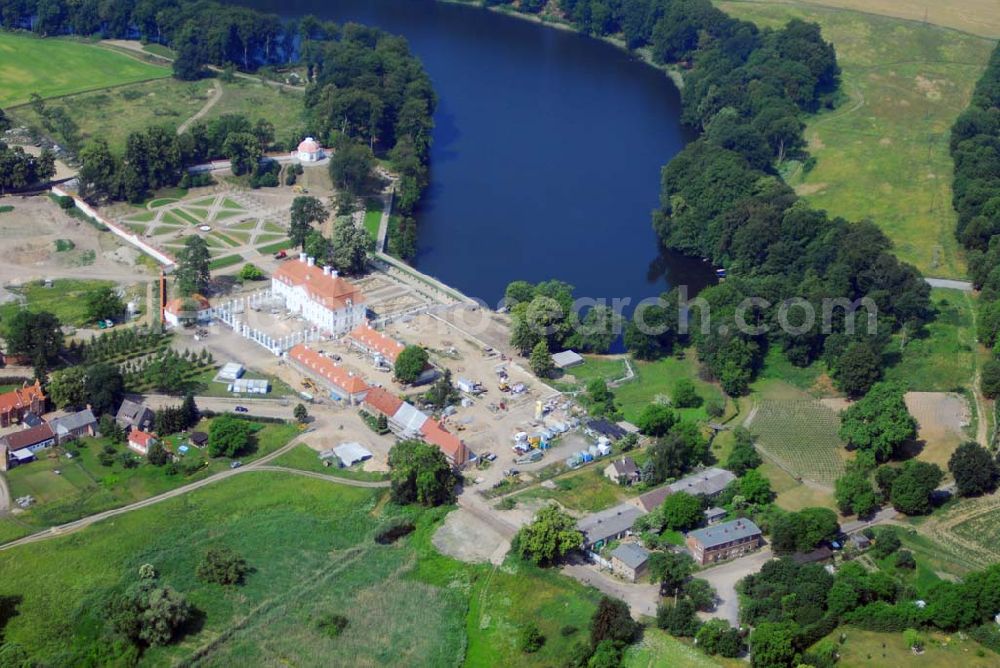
x: 37, y: 336
x: 878, y: 423
x: 974, y: 469
x: 351, y: 245
x: 551, y: 535
x: 420, y: 473
x: 305, y: 211
x: 192, y: 274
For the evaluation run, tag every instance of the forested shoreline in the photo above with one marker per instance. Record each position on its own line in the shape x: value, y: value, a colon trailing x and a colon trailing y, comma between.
x: 746, y: 90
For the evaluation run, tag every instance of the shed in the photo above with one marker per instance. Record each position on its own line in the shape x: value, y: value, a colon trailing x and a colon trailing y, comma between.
x: 198, y: 439
x: 566, y: 359
x: 714, y: 515
x: 229, y: 372
x: 630, y: 561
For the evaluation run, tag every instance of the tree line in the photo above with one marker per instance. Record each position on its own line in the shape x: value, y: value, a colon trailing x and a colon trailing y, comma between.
x: 975, y: 148
x: 746, y: 90
x: 19, y: 169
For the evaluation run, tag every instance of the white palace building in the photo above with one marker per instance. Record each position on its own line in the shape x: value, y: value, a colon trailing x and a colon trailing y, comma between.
x: 318, y: 294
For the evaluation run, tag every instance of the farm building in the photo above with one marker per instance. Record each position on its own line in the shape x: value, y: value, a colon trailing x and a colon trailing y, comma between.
x: 73, y: 426
x: 134, y: 415
x: 708, y: 483
x: 21, y: 446
x: 193, y: 310
x: 630, y: 561
x: 140, y: 441
x: 351, y: 453
x: 601, y: 427
x: 724, y: 541
x: 17, y: 403
x: 342, y: 384
x: 566, y: 359
x: 622, y: 471
x: 319, y: 295
x: 406, y: 421
x: 373, y: 342
x: 612, y: 524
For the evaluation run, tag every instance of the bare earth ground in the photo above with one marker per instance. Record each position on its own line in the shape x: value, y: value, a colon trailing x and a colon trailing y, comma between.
x: 941, y: 421
x: 28, y: 250
x: 978, y: 17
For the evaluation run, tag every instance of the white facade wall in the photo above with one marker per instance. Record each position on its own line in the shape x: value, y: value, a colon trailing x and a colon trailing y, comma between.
x: 336, y: 321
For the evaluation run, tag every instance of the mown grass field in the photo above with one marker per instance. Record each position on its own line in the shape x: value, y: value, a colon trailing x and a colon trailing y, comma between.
x: 305, y: 458
x: 52, y: 67
x: 586, y: 491
x: 655, y: 381
x: 882, y: 153
x: 310, y: 545
x: 657, y: 648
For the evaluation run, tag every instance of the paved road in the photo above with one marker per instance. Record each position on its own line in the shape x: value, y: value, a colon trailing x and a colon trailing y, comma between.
x: 274, y: 408
x: 724, y: 578
x: 885, y: 515
x: 949, y: 284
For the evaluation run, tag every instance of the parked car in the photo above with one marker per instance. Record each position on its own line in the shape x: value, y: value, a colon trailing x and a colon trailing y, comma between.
x: 489, y: 456
x: 242, y: 409
x: 236, y: 464
x: 280, y: 255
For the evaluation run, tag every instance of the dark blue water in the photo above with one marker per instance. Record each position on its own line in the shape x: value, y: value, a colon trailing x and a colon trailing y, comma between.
x: 546, y: 156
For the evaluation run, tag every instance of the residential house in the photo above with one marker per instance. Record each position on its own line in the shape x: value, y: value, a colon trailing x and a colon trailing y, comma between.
x: 198, y: 439
x: 708, y: 483
x: 134, y: 415
x: 724, y: 541
x: 320, y: 295
x: 629, y: 561
x: 820, y: 554
x: 21, y: 446
x: 612, y: 524
x: 17, y: 403
x: 73, y: 426
x: 342, y: 384
x: 860, y: 541
x: 622, y: 471
x: 140, y: 441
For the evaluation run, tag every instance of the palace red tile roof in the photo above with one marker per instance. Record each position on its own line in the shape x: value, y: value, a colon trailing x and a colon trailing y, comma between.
x: 327, y: 369
x: 377, y: 342
x: 383, y: 401
x: 333, y: 292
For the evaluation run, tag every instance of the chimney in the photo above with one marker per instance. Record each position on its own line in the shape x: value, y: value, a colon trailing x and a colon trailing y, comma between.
x: 302, y: 257
x: 311, y: 261
x: 326, y: 270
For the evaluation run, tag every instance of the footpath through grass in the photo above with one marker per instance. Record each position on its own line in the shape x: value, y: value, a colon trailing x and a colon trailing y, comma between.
x: 882, y: 153
x: 407, y: 605
x: 51, y: 66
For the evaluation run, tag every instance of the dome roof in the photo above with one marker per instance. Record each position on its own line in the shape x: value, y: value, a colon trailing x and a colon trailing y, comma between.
x: 309, y: 145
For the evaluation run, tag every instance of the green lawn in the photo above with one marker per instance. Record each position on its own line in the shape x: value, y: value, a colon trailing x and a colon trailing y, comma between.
x: 304, y: 458
x: 407, y: 605
x: 870, y: 648
x: 225, y: 261
x: 587, y: 490
x: 594, y: 366
x: 284, y: 244
x: 655, y: 381
x: 372, y: 219
x: 64, y: 299
x: 658, y: 648
x: 53, y: 67
x: 83, y: 486
x: 944, y: 358
x: 882, y: 154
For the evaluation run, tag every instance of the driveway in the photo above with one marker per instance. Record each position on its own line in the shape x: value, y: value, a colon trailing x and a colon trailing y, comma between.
x: 642, y: 599
x: 724, y: 579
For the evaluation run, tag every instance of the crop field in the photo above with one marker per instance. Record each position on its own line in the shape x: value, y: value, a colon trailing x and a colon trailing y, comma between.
x: 966, y: 533
x: 393, y: 596
x: 800, y: 435
x: 882, y: 154
x: 61, y: 67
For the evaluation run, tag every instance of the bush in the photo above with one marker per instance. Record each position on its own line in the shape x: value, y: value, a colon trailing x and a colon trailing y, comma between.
x: 531, y: 639
x: 904, y: 559
x: 394, y: 532
x: 715, y: 407
x: 331, y: 625
x: 66, y: 202
x: 568, y: 630
x: 685, y: 395
x: 222, y: 566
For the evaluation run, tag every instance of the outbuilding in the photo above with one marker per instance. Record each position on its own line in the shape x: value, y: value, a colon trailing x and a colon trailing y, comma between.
x: 309, y: 150
x: 352, y: 453
x: 566, y: 359
x: 629, y: 561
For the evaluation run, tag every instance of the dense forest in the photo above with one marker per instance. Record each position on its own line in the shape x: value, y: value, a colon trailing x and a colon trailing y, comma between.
x: 746, y: 90
x: 975, y: 147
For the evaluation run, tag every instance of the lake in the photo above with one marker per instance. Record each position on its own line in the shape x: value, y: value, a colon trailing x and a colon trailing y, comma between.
x: 547, y: 152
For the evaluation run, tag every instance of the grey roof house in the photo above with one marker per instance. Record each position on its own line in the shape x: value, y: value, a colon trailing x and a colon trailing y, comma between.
x: 74, y: 425
x: 611, y: 524
x: 134, y: 415
x: 629, y: 560
x: 622, y: 471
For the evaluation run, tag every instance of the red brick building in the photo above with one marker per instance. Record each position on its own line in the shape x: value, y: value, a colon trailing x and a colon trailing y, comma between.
x: 14, y: 405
